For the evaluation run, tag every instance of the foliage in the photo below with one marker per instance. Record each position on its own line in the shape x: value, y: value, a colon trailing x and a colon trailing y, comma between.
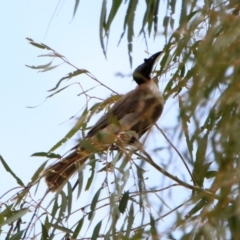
x: 201, y: 56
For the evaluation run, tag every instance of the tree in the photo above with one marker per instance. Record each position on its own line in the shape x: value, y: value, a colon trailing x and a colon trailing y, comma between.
x: 201, y: 62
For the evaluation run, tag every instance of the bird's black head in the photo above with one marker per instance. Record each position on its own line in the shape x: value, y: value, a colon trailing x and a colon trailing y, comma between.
x: 142, y: 73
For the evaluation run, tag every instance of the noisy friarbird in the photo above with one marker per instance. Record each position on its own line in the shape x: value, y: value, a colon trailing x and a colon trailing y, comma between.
x: 135, y: 111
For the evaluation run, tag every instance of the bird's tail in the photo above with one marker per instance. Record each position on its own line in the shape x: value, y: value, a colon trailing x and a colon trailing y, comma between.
x: 59, y: 173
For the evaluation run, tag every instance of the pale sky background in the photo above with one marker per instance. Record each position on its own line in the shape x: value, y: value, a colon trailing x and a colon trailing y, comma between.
x: 24, y: 131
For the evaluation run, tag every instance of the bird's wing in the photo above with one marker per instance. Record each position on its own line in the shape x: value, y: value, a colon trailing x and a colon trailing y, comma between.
x: 127, y: 110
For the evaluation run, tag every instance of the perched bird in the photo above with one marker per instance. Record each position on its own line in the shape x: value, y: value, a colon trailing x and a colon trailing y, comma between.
x: 135, y: 111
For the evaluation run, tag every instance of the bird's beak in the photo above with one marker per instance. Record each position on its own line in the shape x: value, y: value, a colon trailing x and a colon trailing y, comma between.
x: 142, y: 73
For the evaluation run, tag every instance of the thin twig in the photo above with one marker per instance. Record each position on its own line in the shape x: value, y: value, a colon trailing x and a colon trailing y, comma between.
x: 179, y: 154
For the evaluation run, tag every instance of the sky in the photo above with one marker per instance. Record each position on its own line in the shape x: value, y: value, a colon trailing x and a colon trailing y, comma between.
x: 24, y: 130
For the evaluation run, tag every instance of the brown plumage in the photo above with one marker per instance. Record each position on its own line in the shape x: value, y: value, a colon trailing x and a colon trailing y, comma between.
x: 136, y: 111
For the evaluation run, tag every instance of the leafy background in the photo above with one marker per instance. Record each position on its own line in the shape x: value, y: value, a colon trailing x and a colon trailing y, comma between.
x: 148, y: 195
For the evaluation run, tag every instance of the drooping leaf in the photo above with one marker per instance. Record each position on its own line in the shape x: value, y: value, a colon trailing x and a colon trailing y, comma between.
x: 130, y: 222
x: 102, y: 23
x: 15, y: 215
x: 94, y: 203
x: 41, y: 66
x: 69, y: 76
x: 96, y: 231
x: 78, y: 229
x: 75, y: 7
x: 123, y: 202
x: 8, y: 169
x: 17, y: 236
x: 61, y: 228
x: 46, y: 154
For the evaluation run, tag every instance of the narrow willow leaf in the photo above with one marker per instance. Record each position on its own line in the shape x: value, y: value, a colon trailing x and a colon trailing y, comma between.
x: 80, y: 183
x: 69, y: 76
x: 115, y: 6
x: 192, y: 14
x: 102, y: 25
x: 69, y: 198
x: 55, y: 207
x: 123, y: 202
x: 63, y: 229
x: 75, y: 7
x: 63, y: 205
x: 58, y: 91
x: 185, y: 119
x: 78, y: 229
x: 8, y: 169
x: 50, y: 68
x: 96, y: 231
x: 90, y: 179
x: 199, y: 170
x: 128, y: 24
x: 196, y: 208
x: 15, y: 216
x: 140, y: 185
x: 210, y: 174
x: 44, y: 232
x: 36, y: 175
x: 40, y: 66
x: 46, y: 154
x: 49, y: 55
x: 95, y: 199
x: 37, y: 45
x: 153, y: 229
x: 155, y: 16
x: 17, y: 236
x: 93, y: 204
x: 130, y: 222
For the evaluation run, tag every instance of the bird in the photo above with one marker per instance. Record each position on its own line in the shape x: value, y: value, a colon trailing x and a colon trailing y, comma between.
x: 136, y: 111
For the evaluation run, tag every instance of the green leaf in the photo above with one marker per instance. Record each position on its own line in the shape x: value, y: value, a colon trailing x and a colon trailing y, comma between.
x: 40, y: 66
x: 17, y: 236
x: 200, y: 168
x: 75, y: 7
x: 63, y: 205
x: 123, y: 203
x: 50, y: 68
x: 130, y: 222
x: 63, y: 229
x: 8, y: 169
x: 78, y: 229
x: 94, y: 203
x: 80, y: 182
x: 69, y: 76
x: 69, y: 198
x: 196, y: 208
x: 46, y: 154
x: 36, y: 175
x: 153, y: 229
x: 210, y: 174
x: 102, y: 25
x: 192, y: 14
x: 90, y: 179
x: 115, y: 6
x: 96, y: 231
x: 15, y: 216
x: 44, y: 232
x: 128, y: 24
